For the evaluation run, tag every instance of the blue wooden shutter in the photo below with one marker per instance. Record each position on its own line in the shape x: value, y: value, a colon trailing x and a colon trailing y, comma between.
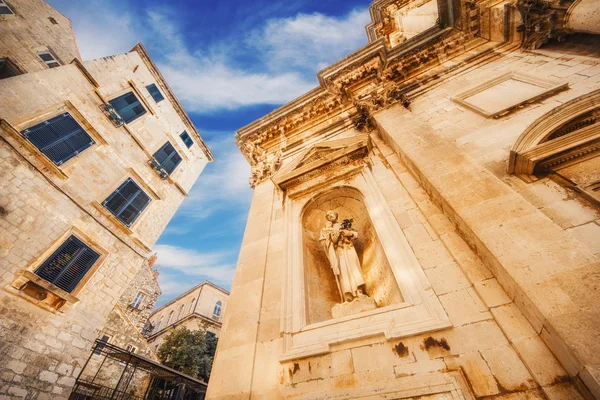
x: 167, y: 157
x: 127, y: 202
x: 128, y: 107
x: 68, y: 265
x: 60, y: 138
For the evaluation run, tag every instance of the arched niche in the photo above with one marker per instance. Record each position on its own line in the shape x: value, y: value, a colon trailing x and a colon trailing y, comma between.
x: 565, y: 144
x: 406, y: 304
x: 321, y: 289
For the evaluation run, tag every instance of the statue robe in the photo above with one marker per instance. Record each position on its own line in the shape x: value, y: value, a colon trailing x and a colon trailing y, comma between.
x: 343, y: 259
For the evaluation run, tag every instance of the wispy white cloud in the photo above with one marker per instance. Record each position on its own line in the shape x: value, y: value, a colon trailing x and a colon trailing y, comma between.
x: 100, y: 29
x: 223, y: 185
x: 195, y: 264
x: 286, y: 52
x: 310, y: 41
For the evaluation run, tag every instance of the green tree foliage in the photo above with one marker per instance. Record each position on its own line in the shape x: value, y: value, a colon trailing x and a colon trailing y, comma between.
x: 190, y: 352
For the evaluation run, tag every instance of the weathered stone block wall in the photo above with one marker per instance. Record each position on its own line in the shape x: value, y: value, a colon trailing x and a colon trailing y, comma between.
x: 145, y: 282
x: 31, y: 30
x: 539, y: 239
x: 42, y: 203
x: 43, y: 351
x: 122, y: 333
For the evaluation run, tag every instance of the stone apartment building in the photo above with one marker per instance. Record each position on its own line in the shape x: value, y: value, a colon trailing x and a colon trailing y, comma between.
x: 425, y: 223
x: 95, y: 158
x: 201, y: 307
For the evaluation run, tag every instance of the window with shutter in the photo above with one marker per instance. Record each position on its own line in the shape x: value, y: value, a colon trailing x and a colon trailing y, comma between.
x: 48, y: 59
x: 155, y: 93
x: 4, y: 9
x: 128, y: 107
x: 60, y: 138
x: 167, y: 157
x: 185, y: 137
x: 68, y: 265
x: 127, y: 202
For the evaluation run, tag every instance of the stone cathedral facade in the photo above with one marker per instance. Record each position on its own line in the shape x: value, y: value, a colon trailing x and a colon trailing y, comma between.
x: 425, y: 222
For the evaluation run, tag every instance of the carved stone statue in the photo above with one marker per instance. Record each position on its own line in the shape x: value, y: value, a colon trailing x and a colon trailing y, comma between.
x: 337, y: 242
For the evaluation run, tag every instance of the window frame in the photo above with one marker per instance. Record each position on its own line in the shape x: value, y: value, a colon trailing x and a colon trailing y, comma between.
x: 60, y: 140
x: 8, y: 7
x: 169, y: 157
x: 141, y: 297
x: 49, y: 62
x: 128, y: 201
x: 156, y: 93
x: 84, y: 248
x: 186, y: 139
x: 10, y: 64
x: 132, y: 92
x: 217, y: 309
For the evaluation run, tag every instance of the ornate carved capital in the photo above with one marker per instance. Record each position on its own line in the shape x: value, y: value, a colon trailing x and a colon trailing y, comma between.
x: 542, y: 20
x: 252, y: 147
x: 374, y: 101
x: 264, y: 169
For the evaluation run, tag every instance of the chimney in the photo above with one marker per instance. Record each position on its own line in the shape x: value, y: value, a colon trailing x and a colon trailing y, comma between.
x: 152, y: 260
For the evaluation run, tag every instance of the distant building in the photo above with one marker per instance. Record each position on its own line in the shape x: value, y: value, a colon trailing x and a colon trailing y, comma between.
x: 95, y: 159
x: 201, y: 307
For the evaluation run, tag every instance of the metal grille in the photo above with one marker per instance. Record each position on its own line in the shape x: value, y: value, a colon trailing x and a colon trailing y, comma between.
x: 186, y: 139
x: 60, y: 138
x: 167, y: 157
x: 127, y: 202
x: 128, y: 107
x: 155, y: 93
x: 68, y: 265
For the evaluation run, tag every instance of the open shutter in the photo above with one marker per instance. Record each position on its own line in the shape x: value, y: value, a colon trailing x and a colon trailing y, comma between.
x: 168, y: 158
x: 128, y: 107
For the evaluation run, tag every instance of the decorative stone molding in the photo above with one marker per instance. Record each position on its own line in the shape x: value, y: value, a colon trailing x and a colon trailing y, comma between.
x: 418, y: 312
x: 264, y: 169
x: 314, y: 109
x: 318, y: 160
x: 489, y: 100
x: 566, y: 133
x: 542, y: 20
x: 375, y: 100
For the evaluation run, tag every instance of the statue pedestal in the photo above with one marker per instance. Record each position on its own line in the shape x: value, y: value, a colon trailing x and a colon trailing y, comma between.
x: 358, y: 305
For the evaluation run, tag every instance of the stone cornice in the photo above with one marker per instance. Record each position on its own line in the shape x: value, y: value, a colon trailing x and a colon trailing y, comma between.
x: 371, y: 73
x: 542, y: 20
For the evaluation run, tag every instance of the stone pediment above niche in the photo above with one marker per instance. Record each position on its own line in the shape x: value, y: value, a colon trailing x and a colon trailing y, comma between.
x: 323, y: 161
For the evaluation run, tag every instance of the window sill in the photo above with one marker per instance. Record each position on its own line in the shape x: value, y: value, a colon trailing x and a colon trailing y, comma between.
x: 112, y: 218
x: 41, y: 292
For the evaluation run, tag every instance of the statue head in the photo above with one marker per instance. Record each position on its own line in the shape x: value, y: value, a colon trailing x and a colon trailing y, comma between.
x: 331, y: 216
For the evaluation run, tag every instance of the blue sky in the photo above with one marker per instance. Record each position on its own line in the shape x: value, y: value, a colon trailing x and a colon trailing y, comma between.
x: 229, y: 62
